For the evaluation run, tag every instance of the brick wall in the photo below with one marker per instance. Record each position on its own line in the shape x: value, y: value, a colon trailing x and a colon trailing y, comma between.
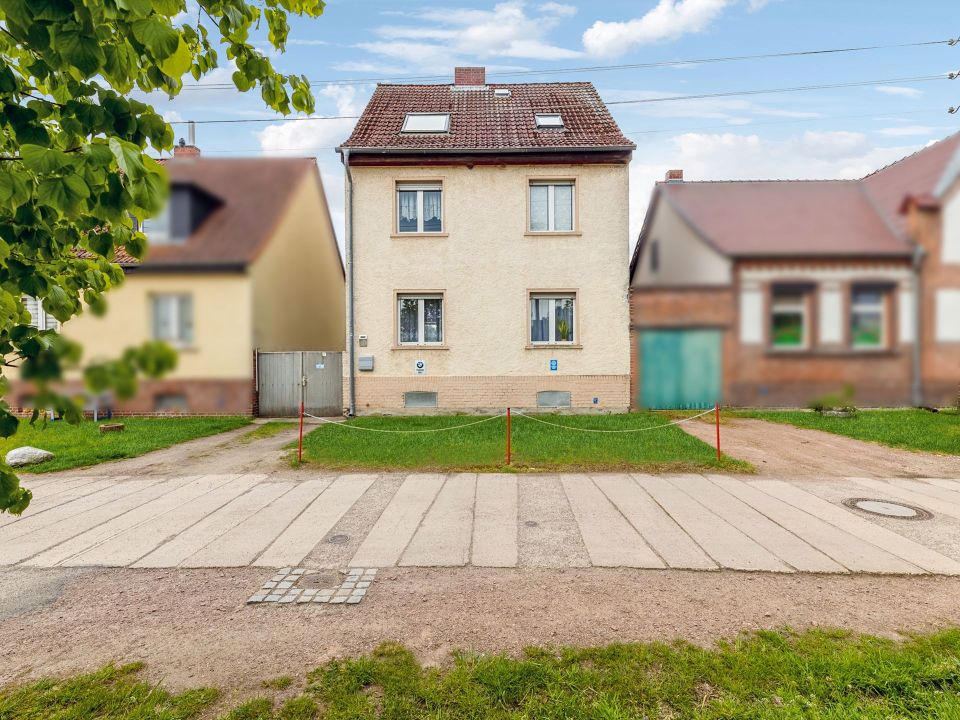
x: 491, y: 393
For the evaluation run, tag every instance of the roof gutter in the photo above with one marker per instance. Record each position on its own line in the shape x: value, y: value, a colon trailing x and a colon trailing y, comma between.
x: 485, y: 151
x: 348, y: 242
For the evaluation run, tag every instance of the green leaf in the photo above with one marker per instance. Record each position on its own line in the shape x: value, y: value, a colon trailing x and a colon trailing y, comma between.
x: 80, y: 50
x: 128, y: 157
x: 137, y: 8
x: 179, y: 62
x: 43, y: 160
x: 158, y: 37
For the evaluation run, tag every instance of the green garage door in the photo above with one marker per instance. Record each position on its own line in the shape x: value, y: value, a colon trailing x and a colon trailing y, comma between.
x: 680, y: 368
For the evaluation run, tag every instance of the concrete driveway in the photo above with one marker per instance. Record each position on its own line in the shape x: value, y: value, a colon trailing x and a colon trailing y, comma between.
x: 504, y: 521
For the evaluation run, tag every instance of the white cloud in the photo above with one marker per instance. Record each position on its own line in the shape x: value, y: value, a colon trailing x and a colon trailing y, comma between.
x: 444, y: 37
x: 898, y: 90
x: 302, y: 41
x: 669, y: 20
x: 910, y: 130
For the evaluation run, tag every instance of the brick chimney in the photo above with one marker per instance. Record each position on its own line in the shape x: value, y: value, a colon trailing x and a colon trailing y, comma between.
x: 470, y: 76
x: 674, y: 176
x: 188, y: 148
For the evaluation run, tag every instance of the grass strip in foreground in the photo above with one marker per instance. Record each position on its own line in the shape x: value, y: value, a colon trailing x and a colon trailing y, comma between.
x: 815, y: 674
x: 83, y: 445
x: 536, y: 447
x: 903, y: 428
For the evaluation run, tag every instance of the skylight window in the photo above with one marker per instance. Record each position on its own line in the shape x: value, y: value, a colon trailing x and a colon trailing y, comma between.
x: 426, y: 123
x: 549, y: 121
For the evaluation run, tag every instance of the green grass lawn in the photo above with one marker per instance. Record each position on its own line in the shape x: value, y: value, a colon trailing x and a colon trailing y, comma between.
x: 910, y: 429
x: 536, y: 447
x: 82, y: 445
x: 768, y: 675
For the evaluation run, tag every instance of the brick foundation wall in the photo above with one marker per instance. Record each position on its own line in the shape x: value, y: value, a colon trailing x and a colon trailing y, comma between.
x: 201, y: 396
x: 491, y: 393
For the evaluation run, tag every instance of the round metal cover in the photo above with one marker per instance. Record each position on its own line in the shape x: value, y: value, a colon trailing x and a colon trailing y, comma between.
x: 338, y: 539
x: 888, y: 509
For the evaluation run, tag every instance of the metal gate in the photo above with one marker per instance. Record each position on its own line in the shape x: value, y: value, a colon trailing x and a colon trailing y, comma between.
x: 284, y: 379
x: 680, y: 368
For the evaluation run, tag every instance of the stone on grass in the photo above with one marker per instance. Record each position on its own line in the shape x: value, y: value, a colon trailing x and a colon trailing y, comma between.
x: 18, y: 457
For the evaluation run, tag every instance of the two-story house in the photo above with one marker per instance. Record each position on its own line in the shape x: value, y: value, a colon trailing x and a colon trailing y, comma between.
x: 485, y: 227
x: 778, y: 293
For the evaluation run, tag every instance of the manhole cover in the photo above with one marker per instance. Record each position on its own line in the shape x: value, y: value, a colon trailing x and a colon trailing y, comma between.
x: 338, y: 539
x: 532, y: 523
x: 888, y: 509
x: 320, y: 580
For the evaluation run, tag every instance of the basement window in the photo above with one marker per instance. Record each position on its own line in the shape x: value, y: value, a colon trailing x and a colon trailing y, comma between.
x: 553, y: 399
x: 549, y: 121
x: 419, y: 399
x: 426, y: 123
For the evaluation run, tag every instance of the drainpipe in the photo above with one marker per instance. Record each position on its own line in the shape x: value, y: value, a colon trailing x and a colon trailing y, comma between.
x: 348, y: 241
x: 917, y: 384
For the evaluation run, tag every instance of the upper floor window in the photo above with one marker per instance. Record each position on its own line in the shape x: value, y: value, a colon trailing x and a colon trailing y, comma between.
x: 867, y: 317
x: 420, y: 319
x: 552, y: 318
x: 173, y: 318
x: 419, y: 208
x: 551, y: 206
x: 426, y: 123
x: 158, y: 229
x: 789, y: 321
x: 39, y: 318
x: 549, y: 121
x: 655, y: 256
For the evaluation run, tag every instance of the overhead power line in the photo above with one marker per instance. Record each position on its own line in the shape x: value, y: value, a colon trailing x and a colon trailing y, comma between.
x: 637, y: 101
x: 608, y: 68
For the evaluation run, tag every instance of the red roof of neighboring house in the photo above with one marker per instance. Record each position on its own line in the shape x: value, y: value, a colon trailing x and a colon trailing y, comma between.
x: 482, y: 121
x: 121, y: 257
x: 810, y: 218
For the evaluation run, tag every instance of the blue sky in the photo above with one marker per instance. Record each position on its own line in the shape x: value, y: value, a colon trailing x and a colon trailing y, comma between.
x: 825, y: 133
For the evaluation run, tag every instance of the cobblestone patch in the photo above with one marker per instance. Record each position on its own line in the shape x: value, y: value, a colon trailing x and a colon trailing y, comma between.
x: 284, y: 588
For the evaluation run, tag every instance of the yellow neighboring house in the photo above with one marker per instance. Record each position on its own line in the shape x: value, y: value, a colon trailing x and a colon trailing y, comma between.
x: 244, y: 259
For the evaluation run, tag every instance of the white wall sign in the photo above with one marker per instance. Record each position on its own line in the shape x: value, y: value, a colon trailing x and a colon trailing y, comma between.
x: 948, y: 315
x: 420, y: 367
x: 751, y: 316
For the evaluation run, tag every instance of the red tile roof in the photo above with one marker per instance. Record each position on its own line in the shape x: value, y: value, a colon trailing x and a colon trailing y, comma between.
x: 481, y: 121
x: 121, y: 257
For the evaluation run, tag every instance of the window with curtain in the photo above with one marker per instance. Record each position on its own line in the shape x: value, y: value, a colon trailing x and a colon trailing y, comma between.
x: 39, y: 318
x: 867, y: 317
x: 419, y: 208
x: 551, y: 318
x: 788, y: 324
x: 173, y: 318
x: 419, y: 319
x: 551, y: 206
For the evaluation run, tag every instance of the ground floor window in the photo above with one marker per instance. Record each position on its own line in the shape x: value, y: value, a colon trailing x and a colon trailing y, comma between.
x: 420, y: 319
x: 788, y: 325
x: 173, y: 318
x: 867, y: 317
x: 552, y: 318
x: 39, y: 318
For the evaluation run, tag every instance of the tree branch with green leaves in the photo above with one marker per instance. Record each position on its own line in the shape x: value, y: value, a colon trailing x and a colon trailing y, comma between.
x: 76, y: 171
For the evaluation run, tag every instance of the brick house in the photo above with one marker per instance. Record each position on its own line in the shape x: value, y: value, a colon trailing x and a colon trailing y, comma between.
x: 243, y: 258
x: 484, y: 226
x: 776, y: 293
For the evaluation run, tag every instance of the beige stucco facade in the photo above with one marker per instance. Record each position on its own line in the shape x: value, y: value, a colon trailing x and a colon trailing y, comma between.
x: 485, y: 264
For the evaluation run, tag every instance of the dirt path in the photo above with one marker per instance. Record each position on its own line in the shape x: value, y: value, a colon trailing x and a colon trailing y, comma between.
x: 192, y: 627
x: 224, y: 453
x: 786, y: 451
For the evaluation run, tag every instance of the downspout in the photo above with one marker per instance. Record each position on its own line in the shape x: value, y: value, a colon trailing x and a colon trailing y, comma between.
x: 917, y: 384
x: 351, y: 344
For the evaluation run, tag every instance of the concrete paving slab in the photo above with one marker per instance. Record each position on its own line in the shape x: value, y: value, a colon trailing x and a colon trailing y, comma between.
x: 655, y: 526
x: 944, y: 483
x: 28, y: 545
x: 610, y: 540
x: 495, y: 537
x: 54, y: 495
x: 548, y: 535
x: 131, y: 545
x: 443, y: 538
x: 844, y: 548
x: 926, y: 488
x: 885, y: 539
x: 722, y: 541
x: 782, y: 543
x: 182, y: 491
x: 313, y: 524
x: 198, y: 536
x: 391, y: 533
x: 885, y: 489
x: 241, y: 544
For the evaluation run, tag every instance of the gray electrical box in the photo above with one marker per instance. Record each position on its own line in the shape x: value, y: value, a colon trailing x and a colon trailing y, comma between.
x: 365, y: 362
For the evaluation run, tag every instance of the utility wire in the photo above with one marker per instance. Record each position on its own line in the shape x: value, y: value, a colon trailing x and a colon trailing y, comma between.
x: 631, y: 66
x: 640, y: 101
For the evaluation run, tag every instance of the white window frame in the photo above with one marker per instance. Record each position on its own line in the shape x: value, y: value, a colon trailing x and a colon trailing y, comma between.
x: 545, y: 121
x: 176, y: 321
x: 407, y: 123
x: 44, y: 320
x: 166, y: 237
x: 552, y: 326
x: 420, y: 189
x: 879, y: 306
x: 788, y: 306
x: 551, y: 186
x: 420, y: 297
